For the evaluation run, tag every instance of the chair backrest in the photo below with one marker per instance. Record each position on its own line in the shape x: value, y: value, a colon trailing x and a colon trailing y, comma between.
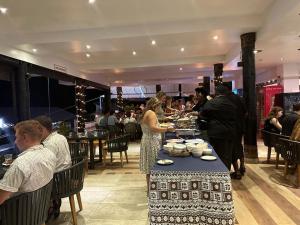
x: 270, y: 139
x: 131, y: 129
x: 78, y: 150
x: 29, y: 208
x: 114, y: 131
x: 290, y: 150
x: 69, y: 181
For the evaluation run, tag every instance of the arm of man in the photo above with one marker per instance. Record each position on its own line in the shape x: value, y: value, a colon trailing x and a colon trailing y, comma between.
x: 4, y: 195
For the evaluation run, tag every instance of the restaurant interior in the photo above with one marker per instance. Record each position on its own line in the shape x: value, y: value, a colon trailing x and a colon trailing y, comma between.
x: 96, y: 68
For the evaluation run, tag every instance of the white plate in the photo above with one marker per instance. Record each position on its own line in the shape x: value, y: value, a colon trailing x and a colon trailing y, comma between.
x: 208, y: 157
x: 194, y: 141
x: 175, y: 140
x: 165, y: 162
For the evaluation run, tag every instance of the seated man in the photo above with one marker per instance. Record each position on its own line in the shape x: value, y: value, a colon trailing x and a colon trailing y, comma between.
x: 55, y: 142
x: 33, y: 168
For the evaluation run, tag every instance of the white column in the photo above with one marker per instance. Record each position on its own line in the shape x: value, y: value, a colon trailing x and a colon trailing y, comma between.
x: 290, y: 77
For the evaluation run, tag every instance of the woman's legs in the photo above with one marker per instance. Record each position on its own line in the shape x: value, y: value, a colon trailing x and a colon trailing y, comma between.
x: 148, y: 181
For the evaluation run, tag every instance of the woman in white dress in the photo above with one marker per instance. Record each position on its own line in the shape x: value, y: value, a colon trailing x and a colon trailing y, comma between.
x: 151, y: 139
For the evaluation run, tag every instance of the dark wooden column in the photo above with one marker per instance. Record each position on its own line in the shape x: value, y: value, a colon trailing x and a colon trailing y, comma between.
x: 158, y: 88
x: 218, y: 71
x: 80, y: 106
x: 22, y: 95
x: 179, y: 90
x: 206, y: 84
x: 249, y: 94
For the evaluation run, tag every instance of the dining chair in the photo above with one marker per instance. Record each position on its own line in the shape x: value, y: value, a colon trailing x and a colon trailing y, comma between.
x: 30, y: 208
x: 67, y: 183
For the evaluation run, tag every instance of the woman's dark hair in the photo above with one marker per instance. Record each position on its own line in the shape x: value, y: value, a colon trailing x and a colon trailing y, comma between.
x: 45, y: 121
x: 274, y: 111
x: 201, y: 90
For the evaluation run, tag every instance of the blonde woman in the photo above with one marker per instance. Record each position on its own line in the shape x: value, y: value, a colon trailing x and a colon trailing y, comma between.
x: 151, y: 139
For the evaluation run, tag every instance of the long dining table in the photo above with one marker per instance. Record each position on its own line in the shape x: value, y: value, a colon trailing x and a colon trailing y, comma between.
x: 190, y: 191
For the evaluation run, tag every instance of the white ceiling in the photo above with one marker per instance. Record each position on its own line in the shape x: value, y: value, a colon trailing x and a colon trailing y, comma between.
x: 60, y: 30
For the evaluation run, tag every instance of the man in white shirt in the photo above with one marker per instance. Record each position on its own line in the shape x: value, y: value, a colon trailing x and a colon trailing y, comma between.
x: 57, y: 143
x: 33, y: 168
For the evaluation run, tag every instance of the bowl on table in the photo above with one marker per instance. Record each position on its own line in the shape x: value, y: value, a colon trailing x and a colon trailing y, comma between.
x: 179, y: 147
x: 207, y: 152
x: 190, y: 146
x: 168, y: 147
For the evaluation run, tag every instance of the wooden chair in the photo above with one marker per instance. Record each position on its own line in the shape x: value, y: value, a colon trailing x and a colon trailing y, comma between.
x: 290, y: 152
x: 78, y: 151
x: 67, y: 183
x: 131, y: 130
x: 270, y: 140
x: 119, y: 144
x: 29, y: 208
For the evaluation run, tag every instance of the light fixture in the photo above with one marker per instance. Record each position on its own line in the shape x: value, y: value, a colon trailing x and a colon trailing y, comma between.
x: 182, y: 49
x: 134, y: 53
x: 216, y: 37
x: 92, y: 1
x: 200, y: 77
x: 88, y: 46
x: 281, y: 59
x: 34, y: 50
x: 153, y: 42
x: 257, y: 51
x: 88, y: 55
x: 180, y: 68
x: 3, y: 10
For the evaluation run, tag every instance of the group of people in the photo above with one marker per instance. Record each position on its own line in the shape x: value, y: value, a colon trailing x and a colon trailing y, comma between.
x: 220, y: 119
x: 287, y: 124
x: 43, y: 153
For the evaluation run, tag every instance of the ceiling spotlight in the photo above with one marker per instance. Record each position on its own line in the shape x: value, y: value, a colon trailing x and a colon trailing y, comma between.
x: 180, y: 68
x: 92, y: 1
x: 34, y: 50
x: 216, y: 37
x: 88, y: 55
x: 257, y: 51
x: 153, y: 42
x: 182, y: 49
x: 3, y: 10
x: 134, y: 53
x: 281, y: 59
x: 88, y: 46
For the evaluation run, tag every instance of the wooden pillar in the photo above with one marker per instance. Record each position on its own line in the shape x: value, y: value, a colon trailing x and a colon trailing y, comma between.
x: 158, y: 88
x: 120, y: 103
x: 206, y: 84
x: 179, y: 90
x: 249, y: 95
x: 218, y: 71
x: 80, y: 106
x: 22, y: 94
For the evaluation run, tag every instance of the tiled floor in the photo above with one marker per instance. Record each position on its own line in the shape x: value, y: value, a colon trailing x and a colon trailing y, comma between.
x: 117, y: 196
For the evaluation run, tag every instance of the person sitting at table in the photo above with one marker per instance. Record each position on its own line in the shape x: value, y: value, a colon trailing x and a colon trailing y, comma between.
x: 112, y: 119
x: 104, y: 119
x: 55, y: 142
x: 289, y: 120
x: 151, y: 139
x: 129, y: 118
x: 272, y: 123
x: 34, y: 167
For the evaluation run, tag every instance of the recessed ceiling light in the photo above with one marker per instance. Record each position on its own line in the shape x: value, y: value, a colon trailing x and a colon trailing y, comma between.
x: 281, y: 59
x: 34, y: 50
x: 88, y: 46
x: 182, y: 49
x: 257, y: 51
x: 180, y: 68
x: 88, y: 55
x: 92, y: 1
x: 3, y: 10
x: 134, y: 53
x: 216, y: 37
x: 200, y: 77
x: 153, y: 42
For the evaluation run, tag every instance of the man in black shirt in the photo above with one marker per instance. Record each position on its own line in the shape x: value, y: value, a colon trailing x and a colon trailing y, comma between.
x: 289, y: 120
x: 221, y: 115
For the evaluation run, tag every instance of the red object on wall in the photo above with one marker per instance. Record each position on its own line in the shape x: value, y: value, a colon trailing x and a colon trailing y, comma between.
x: 269, y: 97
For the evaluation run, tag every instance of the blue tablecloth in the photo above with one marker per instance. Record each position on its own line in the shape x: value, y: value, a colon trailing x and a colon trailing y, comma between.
x: 190, y: 191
